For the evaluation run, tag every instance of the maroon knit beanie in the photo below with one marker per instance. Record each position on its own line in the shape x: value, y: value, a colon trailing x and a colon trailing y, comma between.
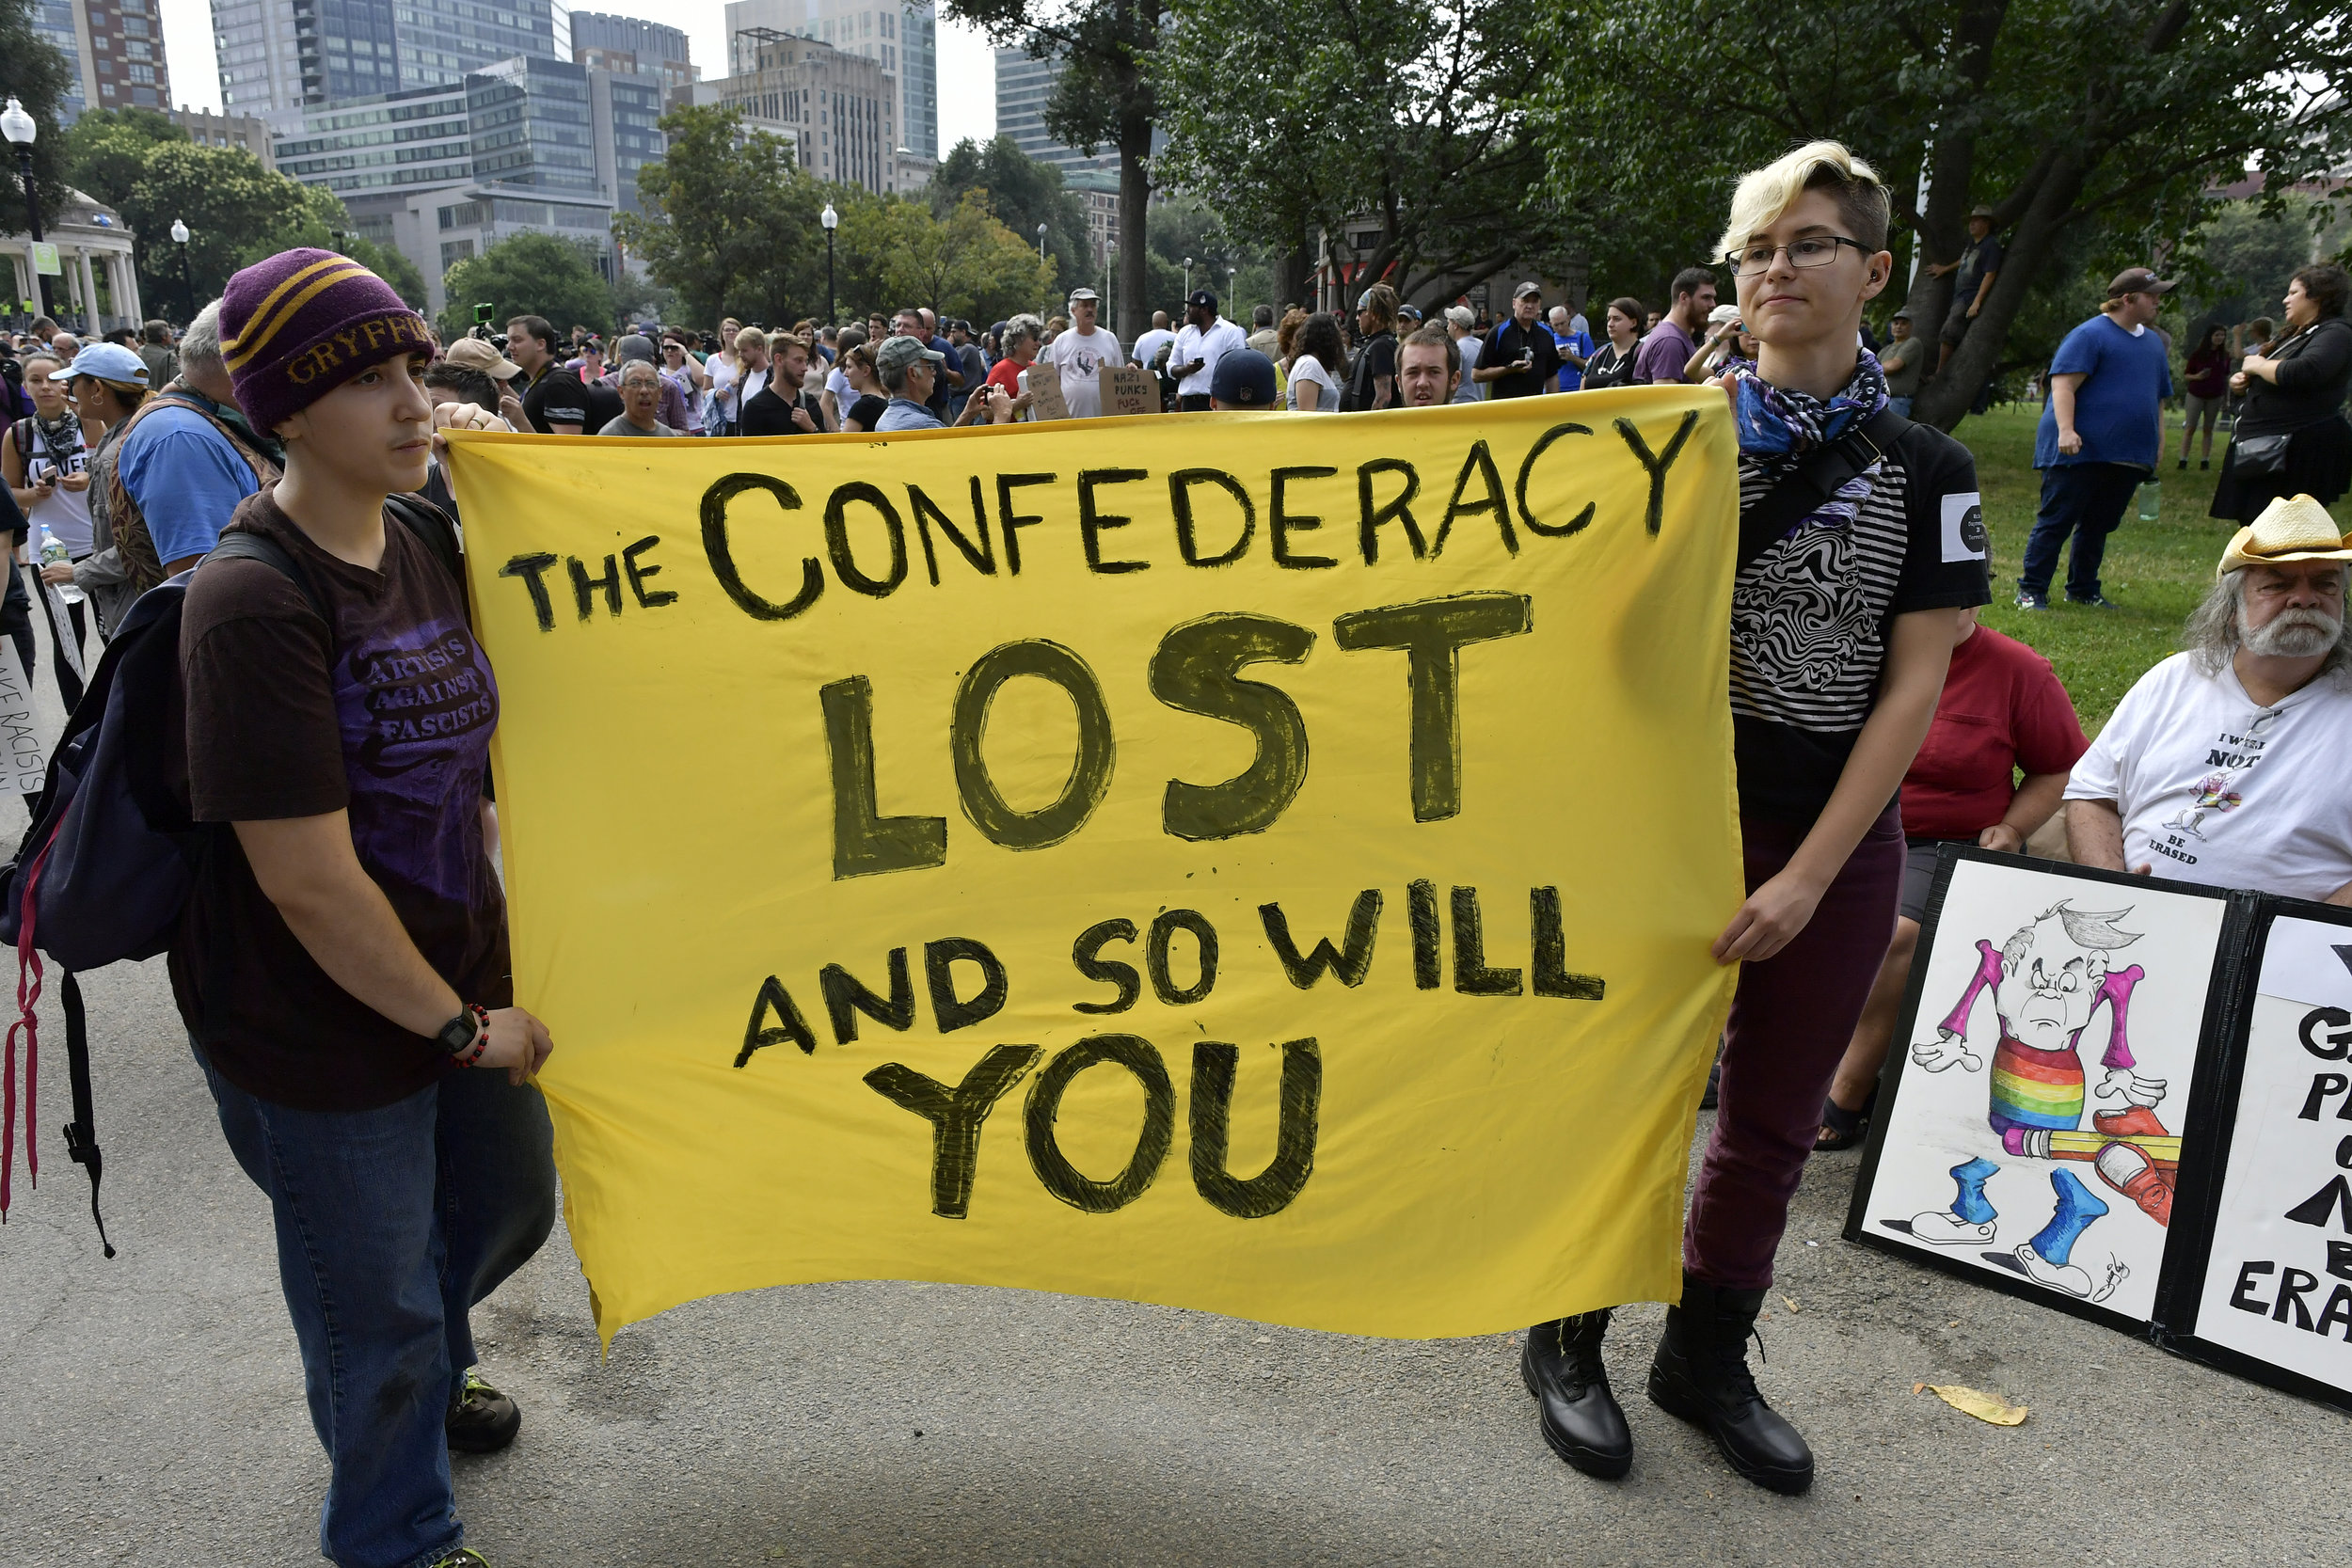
x: 298, y: 326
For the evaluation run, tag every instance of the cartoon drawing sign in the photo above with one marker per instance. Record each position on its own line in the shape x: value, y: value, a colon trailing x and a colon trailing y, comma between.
x: 2276, y: 1285
x: 2035, y: 1125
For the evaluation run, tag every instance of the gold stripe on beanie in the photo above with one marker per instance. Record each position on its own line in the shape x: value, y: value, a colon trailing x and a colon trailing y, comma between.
x: 248, y: 344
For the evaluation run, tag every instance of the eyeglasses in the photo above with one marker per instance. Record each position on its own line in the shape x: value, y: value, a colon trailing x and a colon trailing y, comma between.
x: 1814, y: 250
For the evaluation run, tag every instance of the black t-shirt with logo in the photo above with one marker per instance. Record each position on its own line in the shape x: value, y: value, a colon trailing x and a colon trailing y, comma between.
x: 558, y: 398
x: 1504, y: 347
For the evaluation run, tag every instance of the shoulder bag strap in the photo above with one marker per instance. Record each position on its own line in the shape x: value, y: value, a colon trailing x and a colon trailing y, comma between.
x: 431, y: 524
x: 243, y: 545
x: 1812, y: 480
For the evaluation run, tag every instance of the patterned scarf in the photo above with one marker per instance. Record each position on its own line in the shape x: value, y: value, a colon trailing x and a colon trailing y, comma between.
x: 1780, y: 424
x: 59, y: 436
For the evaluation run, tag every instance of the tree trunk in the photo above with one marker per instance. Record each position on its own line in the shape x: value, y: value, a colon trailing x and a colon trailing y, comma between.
x: 1944, y: 401
x: 1135, y: 209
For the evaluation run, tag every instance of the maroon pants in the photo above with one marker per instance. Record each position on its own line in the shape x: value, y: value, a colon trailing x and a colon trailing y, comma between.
x: 1791, y: 1020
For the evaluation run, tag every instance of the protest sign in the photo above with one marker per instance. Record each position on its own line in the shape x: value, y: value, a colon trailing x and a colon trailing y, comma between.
x: 1129, y: 390
x: 1227, y: 861
x: 1045, y: 388
x: 2273, y: 1291
x: 2044, y: 997
x: 27, y: 759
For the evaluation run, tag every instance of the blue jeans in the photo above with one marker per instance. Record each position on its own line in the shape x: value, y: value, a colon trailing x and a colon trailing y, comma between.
x: 2084, y: 500
x: 391, y: 1224
x: 1900, y: 405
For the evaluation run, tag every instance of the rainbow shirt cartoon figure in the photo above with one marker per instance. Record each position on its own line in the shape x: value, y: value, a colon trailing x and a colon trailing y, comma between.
x: 2048, y: 982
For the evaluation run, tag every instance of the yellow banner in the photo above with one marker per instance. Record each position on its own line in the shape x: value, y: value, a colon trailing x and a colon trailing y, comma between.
x: 1256, y: 863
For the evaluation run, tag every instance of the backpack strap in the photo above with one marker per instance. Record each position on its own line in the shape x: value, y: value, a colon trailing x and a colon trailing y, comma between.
x: 243, y: 545
x: 437, y: 528
x: 1814, y: 478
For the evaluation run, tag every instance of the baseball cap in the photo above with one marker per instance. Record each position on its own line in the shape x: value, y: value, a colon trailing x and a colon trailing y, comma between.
x: 1243, y: 377
x: 1526, y: 289
x: 2136, y: 280
x: 1202, y: 299
x: 1980, y: 210
x: 1723, y: 313
x: 109, y: 362
x: 634, y: 346
x: 897, y: 354
x: 1902, y: 315
x: 1077, y: 295
x: 474, y: 354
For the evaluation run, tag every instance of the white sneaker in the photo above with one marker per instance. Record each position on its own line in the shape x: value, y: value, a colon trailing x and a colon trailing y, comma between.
x: 1942, y: 1227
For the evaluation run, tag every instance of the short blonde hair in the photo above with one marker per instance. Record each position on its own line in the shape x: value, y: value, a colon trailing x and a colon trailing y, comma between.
x: 751, y: 337
x: 1766, y: 194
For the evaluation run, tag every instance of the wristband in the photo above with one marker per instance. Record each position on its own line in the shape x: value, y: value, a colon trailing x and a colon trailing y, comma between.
x: 466, y: 1035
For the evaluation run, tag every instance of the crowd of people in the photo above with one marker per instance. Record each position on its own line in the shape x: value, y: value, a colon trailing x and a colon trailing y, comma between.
x: 342, y: 960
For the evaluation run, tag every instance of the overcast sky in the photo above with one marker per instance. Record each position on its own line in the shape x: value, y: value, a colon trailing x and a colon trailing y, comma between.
x: 967, y: 67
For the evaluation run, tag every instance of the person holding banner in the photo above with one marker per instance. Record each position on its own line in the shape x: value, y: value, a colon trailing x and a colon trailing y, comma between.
x: 1861, y: 545
x: 343, y: 961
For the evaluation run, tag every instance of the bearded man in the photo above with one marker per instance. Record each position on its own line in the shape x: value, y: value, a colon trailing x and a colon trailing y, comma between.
x: 2225, y: 764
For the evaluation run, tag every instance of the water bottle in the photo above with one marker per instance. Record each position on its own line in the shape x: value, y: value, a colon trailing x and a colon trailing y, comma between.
x: 53, y: 554
x: 2151, y: 499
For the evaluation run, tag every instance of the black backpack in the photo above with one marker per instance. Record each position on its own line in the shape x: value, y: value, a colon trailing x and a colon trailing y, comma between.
x: 113, y: 852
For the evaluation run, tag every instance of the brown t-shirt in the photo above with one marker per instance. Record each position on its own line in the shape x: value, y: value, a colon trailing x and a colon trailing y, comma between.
x: 389, y: 716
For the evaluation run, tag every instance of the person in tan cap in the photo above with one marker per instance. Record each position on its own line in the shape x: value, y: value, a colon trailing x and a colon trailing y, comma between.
x: 477, y: 353
x: 2224, y: 765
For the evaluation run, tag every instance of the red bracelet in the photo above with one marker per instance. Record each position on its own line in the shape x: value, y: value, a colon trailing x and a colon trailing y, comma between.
x: 481, y: 1034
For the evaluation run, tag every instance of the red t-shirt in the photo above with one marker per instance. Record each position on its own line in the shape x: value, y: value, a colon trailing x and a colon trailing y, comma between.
x: 1006, y: 375
x: 2002, y: 709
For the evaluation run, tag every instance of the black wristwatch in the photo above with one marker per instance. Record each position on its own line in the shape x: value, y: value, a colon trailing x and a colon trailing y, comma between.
x: 458, y: 1036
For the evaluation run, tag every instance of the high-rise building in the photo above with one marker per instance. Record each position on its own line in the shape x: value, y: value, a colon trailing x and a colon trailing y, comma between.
x: 115, y: 49
x: 207, y: 128
x: 900, y: 36
x: 626, y: 45
x: 1023, y: 88
x: 442, y: 173
x: 838, y: 109
x: 278, y: 54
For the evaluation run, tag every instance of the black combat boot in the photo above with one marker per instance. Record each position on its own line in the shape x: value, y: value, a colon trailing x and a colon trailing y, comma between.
x: 1581, y: 1419
x: 1701, y: 1374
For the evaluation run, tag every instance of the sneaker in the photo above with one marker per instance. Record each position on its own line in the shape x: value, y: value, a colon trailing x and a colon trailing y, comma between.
x: 2205, y: 462
x: 2184, y: 464
x: 481, y: 1421
x: 2028, y: 599
x: 2096, y: 601
x: 464, y: 1557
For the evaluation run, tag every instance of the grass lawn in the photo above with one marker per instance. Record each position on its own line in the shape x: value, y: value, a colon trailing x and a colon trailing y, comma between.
x: 2157, y: 571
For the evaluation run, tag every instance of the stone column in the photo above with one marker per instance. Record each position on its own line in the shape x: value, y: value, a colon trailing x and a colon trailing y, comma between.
x: 127, y: 289
x: 89, y: 295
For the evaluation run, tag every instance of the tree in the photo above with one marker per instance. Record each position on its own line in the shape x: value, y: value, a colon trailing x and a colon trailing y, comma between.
x: 897, y: 254
x: 34, y: 74
x: 729, y: 221
x: 1104, y: 96
x: 2095, y: 128
x: 1399, y: 116
x: 528, y: 274
x: 1021, y: 192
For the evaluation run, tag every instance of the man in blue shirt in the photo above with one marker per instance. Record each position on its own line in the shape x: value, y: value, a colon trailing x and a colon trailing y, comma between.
x: 1576, y: 346
x: 183, y: 475
x: 2102, y: 429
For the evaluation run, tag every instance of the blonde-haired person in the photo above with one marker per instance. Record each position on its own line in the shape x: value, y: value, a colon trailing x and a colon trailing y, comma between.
x: 735, y: 383
x: 1844, y: 613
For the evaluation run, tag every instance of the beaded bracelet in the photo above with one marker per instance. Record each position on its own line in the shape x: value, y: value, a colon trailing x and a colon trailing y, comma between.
x: 481, y: 1034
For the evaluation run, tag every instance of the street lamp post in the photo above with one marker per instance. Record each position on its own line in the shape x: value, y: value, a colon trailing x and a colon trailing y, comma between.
x: 1230, y: 303
x: 187, y: 289
x: 19, y: 128
x: 1041, y: 243
x: 1187, y: 280
x: 832, y: 220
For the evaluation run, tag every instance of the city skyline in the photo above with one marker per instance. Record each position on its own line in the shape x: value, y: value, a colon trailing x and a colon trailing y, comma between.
x: 967, y: 93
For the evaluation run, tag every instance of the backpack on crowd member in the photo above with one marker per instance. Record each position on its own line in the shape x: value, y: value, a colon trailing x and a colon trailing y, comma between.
x: 113, y: 853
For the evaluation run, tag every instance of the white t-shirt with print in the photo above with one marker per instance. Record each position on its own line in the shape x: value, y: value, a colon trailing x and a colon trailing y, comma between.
x: 1081, y: 359
x: 2215, y: 788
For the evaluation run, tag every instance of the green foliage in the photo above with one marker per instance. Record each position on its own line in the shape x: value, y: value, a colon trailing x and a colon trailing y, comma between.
x: 896, y: 253
x: 2096, y: 129
x: 1021, y: 192
x: 34, y: 72
x: 1397, y: 116
x: 237, y: 212
x: 729, y: 221
x: 528, y: 275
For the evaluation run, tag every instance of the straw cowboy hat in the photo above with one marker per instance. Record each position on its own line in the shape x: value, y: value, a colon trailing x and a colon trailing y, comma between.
x: 2292, y: 527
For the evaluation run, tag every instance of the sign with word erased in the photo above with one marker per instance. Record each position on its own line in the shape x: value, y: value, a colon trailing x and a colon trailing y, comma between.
x: 1244, y: 861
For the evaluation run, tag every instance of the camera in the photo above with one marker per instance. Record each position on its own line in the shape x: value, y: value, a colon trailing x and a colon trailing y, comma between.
x: 484, y: 311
